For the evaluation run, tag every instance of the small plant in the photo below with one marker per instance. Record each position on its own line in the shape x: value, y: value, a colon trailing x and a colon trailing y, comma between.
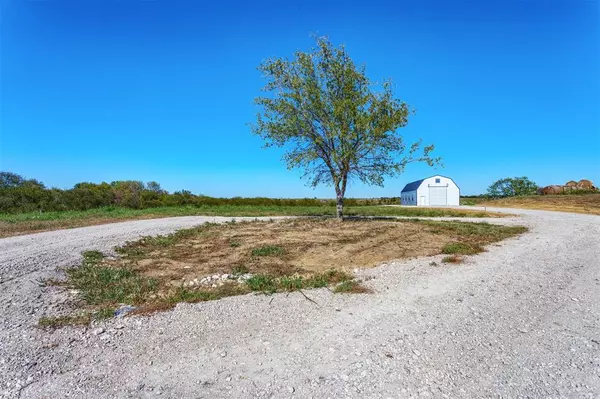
x: 239, y: 269
x: 234, y: 244
x: 103, y: 284
x: 452, y: 259
x: 104, y: 313
x: 90, y: 257
x: 61, y: 321
x: 50, y: 282
x: 329, y: 277
x: 191, y: 296
x: 291, y: 283
x: 461, y: 248
x: 268, y: 250
x: 263, y: 283
x: 351, y: 287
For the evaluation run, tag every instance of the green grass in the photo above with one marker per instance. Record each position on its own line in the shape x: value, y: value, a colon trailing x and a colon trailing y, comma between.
x: 262, y: 283
x: 479, y: 229
x: 239, y: 269
x: 98, y: 284
x: 268, y: 250
x: 61, y: 321
x: 22, y: 223
x: 461, y: 248
x: 351, y: 287
x: 270, y: 284
x: 235, y: 210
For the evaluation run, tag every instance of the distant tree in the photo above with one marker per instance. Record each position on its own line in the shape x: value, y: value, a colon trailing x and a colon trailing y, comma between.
x: 512, y: 187
x: 9, y: 179
x: 128, y: 193
x: 154, y: 187
x: 331, y: 121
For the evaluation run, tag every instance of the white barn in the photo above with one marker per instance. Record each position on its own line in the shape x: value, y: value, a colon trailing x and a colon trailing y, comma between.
x: 433, y: 191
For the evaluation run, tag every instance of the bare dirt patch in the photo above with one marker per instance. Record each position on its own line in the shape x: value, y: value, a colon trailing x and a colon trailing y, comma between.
x: 305, y: 246
x: 212, y: 261
x: 300, y: 246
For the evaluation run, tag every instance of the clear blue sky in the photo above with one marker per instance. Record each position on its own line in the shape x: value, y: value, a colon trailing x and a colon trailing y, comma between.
x: 162, y: 90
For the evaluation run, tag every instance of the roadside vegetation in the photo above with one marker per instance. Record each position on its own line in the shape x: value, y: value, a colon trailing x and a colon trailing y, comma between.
x: 31, y: 222
x: 213, y: 261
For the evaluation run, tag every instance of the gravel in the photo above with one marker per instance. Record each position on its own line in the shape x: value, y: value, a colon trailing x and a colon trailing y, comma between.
x: 520, y: 320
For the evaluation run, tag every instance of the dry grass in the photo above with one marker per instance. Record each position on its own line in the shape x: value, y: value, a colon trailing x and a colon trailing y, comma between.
x: 456, y: 259
x: 285, y: 248
x: 155, y: 273
x: 584, y: 203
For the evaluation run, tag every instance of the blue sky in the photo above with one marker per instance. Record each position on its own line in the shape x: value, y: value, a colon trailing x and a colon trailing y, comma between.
x: 162, y: 90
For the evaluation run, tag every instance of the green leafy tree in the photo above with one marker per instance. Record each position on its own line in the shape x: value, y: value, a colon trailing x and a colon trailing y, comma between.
x: 512, y: 187
x: 332, y: 122
x: 10, y: 180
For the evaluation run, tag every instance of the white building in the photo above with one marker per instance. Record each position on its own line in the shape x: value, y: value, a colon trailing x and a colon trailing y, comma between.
x: 433, y: 191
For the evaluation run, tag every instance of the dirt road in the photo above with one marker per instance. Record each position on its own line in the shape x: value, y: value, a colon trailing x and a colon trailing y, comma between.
x: 521, y: 320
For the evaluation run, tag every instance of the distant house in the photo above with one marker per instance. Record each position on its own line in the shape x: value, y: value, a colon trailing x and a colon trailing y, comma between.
x: 433, y: 191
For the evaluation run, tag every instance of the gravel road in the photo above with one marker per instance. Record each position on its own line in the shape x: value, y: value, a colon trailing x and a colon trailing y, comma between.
x: 520, y: 320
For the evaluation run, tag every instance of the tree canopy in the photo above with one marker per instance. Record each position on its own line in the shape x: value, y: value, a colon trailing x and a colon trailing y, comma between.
x: 512, y: 187
x: 332, y: 121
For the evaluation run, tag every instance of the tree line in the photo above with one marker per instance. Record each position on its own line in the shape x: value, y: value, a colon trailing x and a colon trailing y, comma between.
x: 19, y: 194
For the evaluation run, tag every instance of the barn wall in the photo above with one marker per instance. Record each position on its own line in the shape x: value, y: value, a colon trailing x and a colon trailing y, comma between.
x: 453, y: 190
x: 409, y: 195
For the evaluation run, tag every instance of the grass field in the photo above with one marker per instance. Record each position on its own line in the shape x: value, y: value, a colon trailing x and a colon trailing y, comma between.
x: 583, y: 203
x: 212, y: 261
x: 24, y: 223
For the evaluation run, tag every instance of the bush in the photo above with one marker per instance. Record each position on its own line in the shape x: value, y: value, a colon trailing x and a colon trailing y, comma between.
x: 18, y: 195
x: 512, y: 187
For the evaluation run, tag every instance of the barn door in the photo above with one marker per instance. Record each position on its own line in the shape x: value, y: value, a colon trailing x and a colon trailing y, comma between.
x: 438, y: 195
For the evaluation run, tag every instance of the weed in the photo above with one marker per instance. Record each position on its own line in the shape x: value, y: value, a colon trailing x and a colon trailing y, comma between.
x: 268, y: 250
x: 461, y: 248
x: 104, y: 313
x: 291, y: 283
x: 103, y: 284
x: 452, y: 259
x: 50, y: 282
x: 239, y: 269
x: 325, y: 279
x: 90, y: 257
x: 191, y: 296
x: 182, y: 294
x: 61, y: 321
x: 351, y: 287
x: 263, y: 283
x: 234, y: 244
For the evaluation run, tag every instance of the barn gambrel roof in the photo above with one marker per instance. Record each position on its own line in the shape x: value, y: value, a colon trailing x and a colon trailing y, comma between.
x: 413, y: 186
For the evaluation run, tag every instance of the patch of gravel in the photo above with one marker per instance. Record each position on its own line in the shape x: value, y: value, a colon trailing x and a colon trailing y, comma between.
x: 520, y: 320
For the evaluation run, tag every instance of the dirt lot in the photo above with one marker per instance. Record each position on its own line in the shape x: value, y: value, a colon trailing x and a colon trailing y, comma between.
x: 299, y: 246
x: 213, y: 261
x: 584, y: 203
x: 296, y: 246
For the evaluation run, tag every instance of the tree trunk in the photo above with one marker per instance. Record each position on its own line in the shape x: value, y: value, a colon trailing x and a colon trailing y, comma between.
x: 340, y: 207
